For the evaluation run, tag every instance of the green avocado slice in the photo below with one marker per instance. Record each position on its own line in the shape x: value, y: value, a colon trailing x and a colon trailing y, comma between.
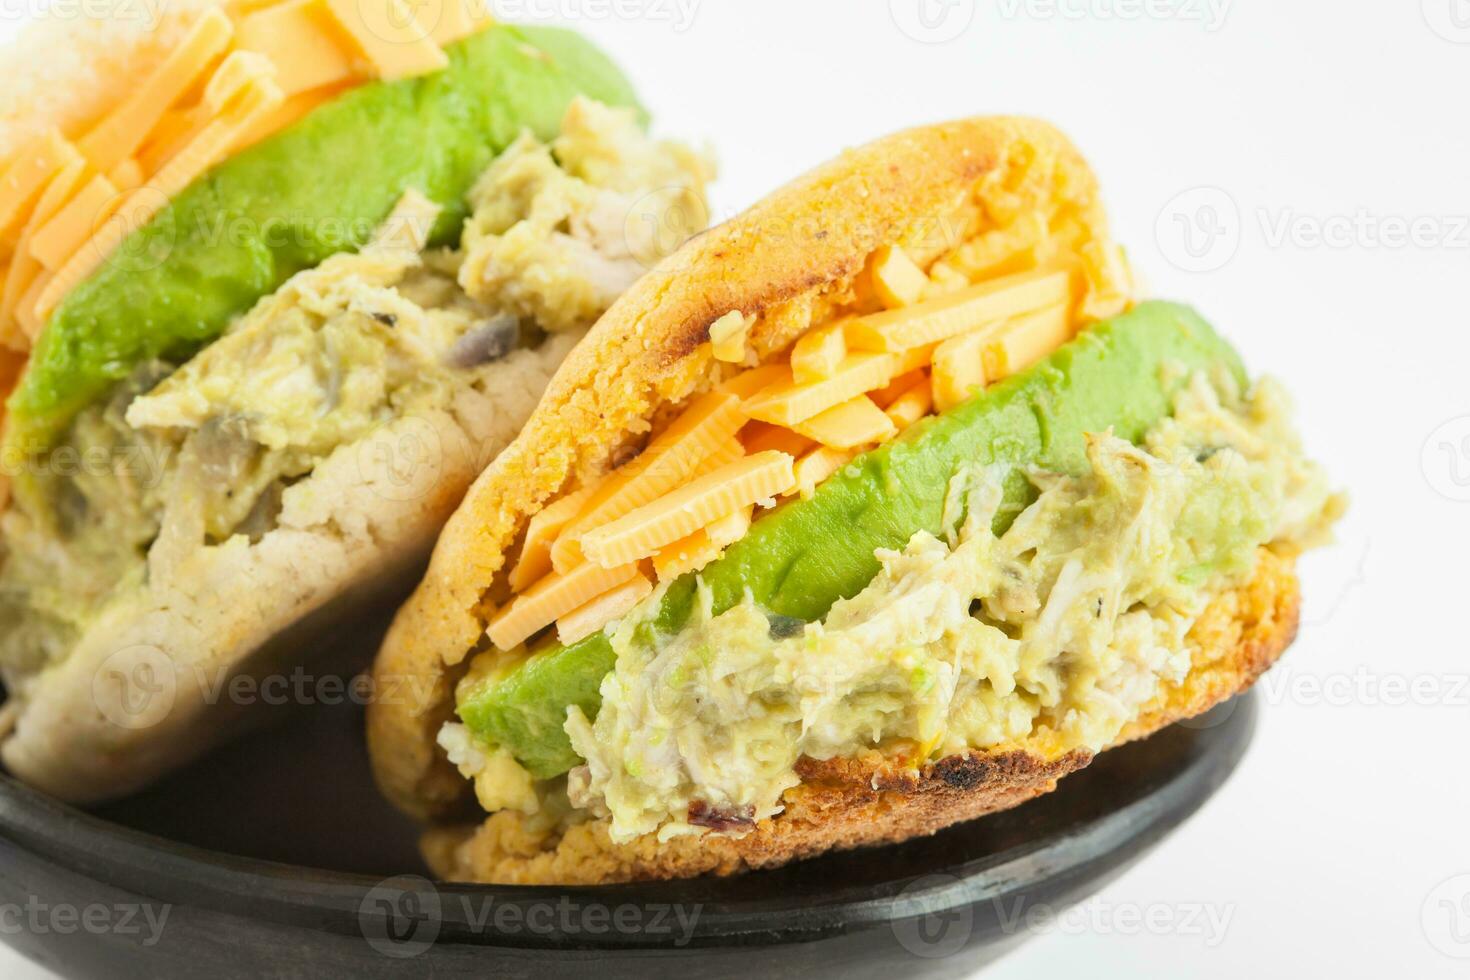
x: 803, y: 557
x: 317, y: 188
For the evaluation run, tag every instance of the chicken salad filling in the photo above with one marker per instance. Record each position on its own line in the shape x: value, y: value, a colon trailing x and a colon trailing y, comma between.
x: 191, y: 455
x: 1057, y: 631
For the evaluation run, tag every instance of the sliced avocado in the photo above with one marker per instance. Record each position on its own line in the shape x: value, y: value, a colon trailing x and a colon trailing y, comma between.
x: 799, y: 560
x: 315, y: 189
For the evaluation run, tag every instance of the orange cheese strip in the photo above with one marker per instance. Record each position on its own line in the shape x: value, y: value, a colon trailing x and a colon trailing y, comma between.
x: 730, y: 528
x: 819, y: 464
x: 58, y: 240
x: 567, y: 549
x: 27, y: 175
x: 1109, y: 281
x: 595, y: 614
x: 914, y: 359
x: 959, y: 366
x: 896, y: 280
x: 675, y: 515
x: 303, y: 41
x: 389, y: 35
x: 27, y: 310
x: 761, y: 436
x: 819, y: 353
x: 552, y: 598
x: 705, y: 427
x: 728, y: 335
x: 912, y: 405
x: 1026, y: 340
x: 890, y: 393
x: 956, y: 313
x: 24, y: 268
x: 747, y: 383
x: 118, y: 136
x: 853, y: 423
x: 244, y: 8
x: 1005, y: 250
x: 126, y: 175
x: 535, y: 560
x: 690, y: 554
x: 172, y: 134
x: 259, y: 96
x: 789, y: 402
x: 240, y: 77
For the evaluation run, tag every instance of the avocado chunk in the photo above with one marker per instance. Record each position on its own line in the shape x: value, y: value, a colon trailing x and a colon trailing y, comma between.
x: 317, y: 188
x: 800, y: 559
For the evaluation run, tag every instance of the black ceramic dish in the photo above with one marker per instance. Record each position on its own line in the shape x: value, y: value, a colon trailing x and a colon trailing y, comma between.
x: 230, y: 850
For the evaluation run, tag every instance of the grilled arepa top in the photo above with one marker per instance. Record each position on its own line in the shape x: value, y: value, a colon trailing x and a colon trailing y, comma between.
x: 199, y: 474
x: 790, y: 261
x: 996, y: 220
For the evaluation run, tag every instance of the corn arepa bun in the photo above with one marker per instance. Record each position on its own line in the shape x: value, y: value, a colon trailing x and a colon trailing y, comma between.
x: 144, y: 689
x: 788, y: 261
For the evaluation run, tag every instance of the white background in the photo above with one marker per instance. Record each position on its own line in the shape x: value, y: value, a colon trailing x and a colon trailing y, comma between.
x: 1294, y: 142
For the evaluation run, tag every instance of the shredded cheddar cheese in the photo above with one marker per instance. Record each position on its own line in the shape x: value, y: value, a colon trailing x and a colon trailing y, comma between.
x: 241, y: 73
x: 854, y: 423
x: 896, y: 280
x: 553, y: 597
x: 727, y: 336
x: 706, y: 428
x: 595, y: 614
x: 817, y: 355
x: 643, y: 532
x: 956, y: 313
x: 847, y: 385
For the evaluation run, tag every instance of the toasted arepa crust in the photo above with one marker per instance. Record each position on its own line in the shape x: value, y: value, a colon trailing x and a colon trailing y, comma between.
x: 789, y: 260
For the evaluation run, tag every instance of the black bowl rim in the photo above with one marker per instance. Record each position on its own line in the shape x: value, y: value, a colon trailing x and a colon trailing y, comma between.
x: 143, y: 864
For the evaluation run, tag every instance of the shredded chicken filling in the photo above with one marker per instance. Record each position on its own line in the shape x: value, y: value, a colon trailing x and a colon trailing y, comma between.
x: 186, y: 456
x: 1056, y: 632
